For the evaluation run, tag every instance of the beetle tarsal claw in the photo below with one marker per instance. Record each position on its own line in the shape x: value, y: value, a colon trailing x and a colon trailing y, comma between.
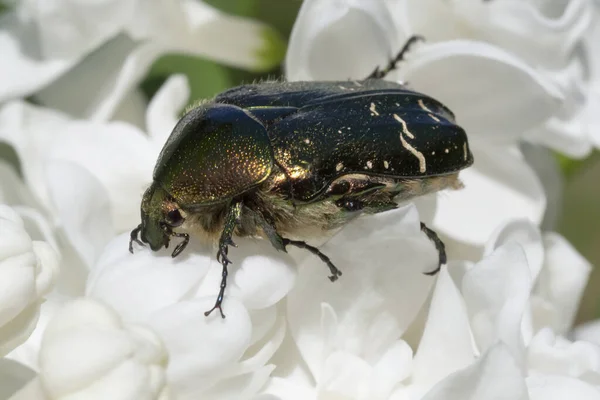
x: 440, y: 247
x: 222, y: 254
x: 181, y: 246
x: 134, y: 238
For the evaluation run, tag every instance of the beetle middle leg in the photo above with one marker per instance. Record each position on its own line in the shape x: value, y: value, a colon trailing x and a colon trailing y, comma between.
x: 232, y: 219
x: 281, y: 243
x: 335, y: 272
x: 381, y: 73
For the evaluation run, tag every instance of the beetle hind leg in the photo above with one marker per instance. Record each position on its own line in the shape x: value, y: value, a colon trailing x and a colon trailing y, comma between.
x: 440, y: 247
x: 381, y: 73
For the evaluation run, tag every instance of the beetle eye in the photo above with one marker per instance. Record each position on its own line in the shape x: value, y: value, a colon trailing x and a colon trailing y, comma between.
x: 174, y: 218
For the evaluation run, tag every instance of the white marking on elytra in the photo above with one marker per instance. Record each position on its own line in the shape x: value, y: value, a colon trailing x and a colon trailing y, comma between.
x: 465, y: 152
x: 433, y: 117
x: 404, y: 126
x: 369, y: 164
x: 307, y: 141
x: 433, y: 153
x: 339, y: 166
x: 373, y: 110
x: 416, y: 153
x: 386, y: 164
x: 339, y: 131
x: 424, y: 107
x: 446, y: 151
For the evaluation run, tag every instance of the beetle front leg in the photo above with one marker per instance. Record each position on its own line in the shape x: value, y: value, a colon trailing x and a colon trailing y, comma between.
x: 440, y: 247
x: 232, y: 219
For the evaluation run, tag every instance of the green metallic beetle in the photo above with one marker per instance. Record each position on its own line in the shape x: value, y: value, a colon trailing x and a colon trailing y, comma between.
x: 299, y: 158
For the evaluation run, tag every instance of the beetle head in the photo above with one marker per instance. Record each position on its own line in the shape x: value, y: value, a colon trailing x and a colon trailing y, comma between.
x: 160, y: 214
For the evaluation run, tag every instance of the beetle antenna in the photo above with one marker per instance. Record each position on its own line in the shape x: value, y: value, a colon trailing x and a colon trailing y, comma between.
x: 335, y: 272
x: 134, y: 238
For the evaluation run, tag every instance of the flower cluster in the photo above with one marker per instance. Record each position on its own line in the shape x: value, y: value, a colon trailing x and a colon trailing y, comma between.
x: 82, y: 318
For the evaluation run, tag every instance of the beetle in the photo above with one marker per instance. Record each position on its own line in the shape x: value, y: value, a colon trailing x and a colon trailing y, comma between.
x: 274, y: 159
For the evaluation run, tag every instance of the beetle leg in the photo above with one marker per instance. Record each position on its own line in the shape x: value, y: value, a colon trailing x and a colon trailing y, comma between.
x: 380, y: 74
x: 232, y: 219
x: 181, y: 246
x: 335, y: 272
x: 134, y: 238
x: 439, y: 245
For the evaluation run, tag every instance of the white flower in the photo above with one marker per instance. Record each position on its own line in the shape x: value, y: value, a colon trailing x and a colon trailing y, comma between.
x: 482, y: 329
x: 486, y: 61
x: 86, y: 57
x: 494, y: 324
x: 28, y: 271
x: 88, y: 353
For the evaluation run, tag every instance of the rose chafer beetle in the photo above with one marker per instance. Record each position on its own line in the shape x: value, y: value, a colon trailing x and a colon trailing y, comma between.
x: 297, y: 158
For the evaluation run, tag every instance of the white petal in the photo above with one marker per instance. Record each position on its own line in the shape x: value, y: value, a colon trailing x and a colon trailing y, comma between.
x: 24, y: 70
x: 382, y: 257
x: 434, y: 19
x: 514, y: 25
x: 12, y: 189
x: 16, y: 121
x: 83, y: 207
x: 33, y: 390
x: 495, y: 377
x: 344, y: 376
x: 69, y: 29
x: 29, y: 271
x: 447, y: 345
x: 568, y: 131
x: 95, y: 88
x: 139, y: 284
x: 496, y: 291
x: 590, y: 332
x: 286, y: 389
x: 28, y: 353
x: 88, y: 353
x: 527, y: 235
x: 165, y: 108
x: 13, y: 376
x: 340, y: 40
x: 264, y: 276
x: 132, y: 109
x: 462, y: 74
x: 255, y: 46
x: 561, y: 282
x: 552, y: 355
x: 260, y: 277
x: 39, y: 134
x: 547, y: 168
x: 558, y: 388
x: 200, y: 347
x: 500, y: 187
